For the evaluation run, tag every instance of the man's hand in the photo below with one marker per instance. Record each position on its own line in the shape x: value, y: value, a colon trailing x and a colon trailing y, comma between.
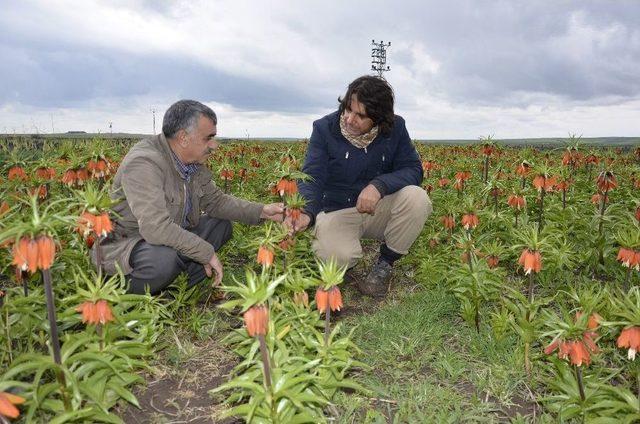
x: 273, y: 212
x: 215, y: 265
x: 368, y: 200
x: 301, y: 223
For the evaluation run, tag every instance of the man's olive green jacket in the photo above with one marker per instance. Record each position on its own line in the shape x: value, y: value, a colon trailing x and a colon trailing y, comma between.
x: 152, y: 204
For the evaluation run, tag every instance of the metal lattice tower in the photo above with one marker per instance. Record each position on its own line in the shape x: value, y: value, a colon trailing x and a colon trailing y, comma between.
x: 379, y: 57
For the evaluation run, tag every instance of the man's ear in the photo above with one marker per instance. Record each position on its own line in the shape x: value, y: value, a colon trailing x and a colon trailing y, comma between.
x: 182, y: 137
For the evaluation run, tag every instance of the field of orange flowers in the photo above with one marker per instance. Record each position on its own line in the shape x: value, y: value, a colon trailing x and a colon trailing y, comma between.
x: 540, y: 248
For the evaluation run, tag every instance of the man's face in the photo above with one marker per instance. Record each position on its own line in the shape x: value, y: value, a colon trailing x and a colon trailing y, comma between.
x: 356, y: 119
x: 200, y: 142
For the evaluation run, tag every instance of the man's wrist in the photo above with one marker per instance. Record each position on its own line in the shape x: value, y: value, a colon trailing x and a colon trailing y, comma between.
x: 380, y: 186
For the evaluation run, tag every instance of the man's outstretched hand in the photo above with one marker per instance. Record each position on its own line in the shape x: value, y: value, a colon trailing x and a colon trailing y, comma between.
x: 368, y: 200
x: 214, y: 265
x: 299, y: 225
x: 273, y: 212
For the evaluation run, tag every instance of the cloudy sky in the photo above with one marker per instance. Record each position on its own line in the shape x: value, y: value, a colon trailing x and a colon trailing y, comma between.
x: 459, y: 68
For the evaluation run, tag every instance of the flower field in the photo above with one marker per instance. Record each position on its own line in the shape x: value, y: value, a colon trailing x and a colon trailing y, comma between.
x: 519, y: 302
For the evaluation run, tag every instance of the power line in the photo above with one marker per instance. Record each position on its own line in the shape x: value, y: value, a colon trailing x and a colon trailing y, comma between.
x: 379, y: 57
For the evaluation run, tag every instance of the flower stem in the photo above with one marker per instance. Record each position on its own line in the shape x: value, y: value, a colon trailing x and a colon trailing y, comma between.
x: 625, y: 286
x: 265, y: 360
x: 55, y: 341
x: 540, y: 214
x: 51, y: 313
x: 327, y: 322
x: 99, y: 256
x: 531, y: 287
x: 527, y: 362
x: 580, y: 383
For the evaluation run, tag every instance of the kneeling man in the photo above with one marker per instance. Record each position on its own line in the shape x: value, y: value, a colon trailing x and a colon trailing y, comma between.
x: 171, y: 217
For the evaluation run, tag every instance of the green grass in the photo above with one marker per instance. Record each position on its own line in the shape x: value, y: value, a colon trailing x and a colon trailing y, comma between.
x: 429, y: 366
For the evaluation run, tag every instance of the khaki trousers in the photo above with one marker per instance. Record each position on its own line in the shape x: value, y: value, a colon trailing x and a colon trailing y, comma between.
x: 398, y: 220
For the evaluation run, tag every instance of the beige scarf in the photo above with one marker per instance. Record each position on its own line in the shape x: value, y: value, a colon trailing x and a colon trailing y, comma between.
x: 359, y: 141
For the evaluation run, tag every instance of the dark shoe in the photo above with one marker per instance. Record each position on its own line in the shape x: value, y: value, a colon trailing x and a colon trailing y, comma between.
x: 375, y: 284
x: 350, y: 276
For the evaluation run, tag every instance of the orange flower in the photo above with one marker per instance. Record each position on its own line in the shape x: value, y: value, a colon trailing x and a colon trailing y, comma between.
x: 469, y: 221
x: 265, y: 256
x: 492, y: 261
x: 523, y: 169
x: 7, y: 402
x: 86, y: 223
x: 69, y: 177
x: 17, y: 173
x: 46, y: 252
x: 448, y: 221
x: 103, y: 312
x: 629, y: 258
x: 443, y: 182
x: 606, y: 181
x: 256, y: 319
x: 286, y: 186
x: 96, y: 313
x: 575, y: 350
x: 517, y: 202
x: 45, y: 173
x: 4, y: 208
x: 226, y: 174
x: 579, y: 354
x: 322, y: 299
x: 103, y: 225
x: 82, y: 175
x: 335, y: 298
x: 463, y: 175
x: 630, y: 338
x: 294, y: 213
x: 637, y: 214
x: 531, y: 260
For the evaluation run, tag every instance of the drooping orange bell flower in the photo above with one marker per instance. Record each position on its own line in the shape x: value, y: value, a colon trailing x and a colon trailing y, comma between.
x: 630, y: 338
x: 531, y: 260
x: 17, y: 173
x: 69, y: 177
x: 4, y: 208
x: 322, y: 299
x: 96, y: 313
x: 226, y: 174
x: 606, y: 181
x: 7, y: 405
x: 517, y: 202
x: 256, y: 319
x: 629, y: 258
x: 335, y: 298
x: 542, y: 182
x: 46, y: 252
x: 103, y: 225
x: 443, y: 182
x: 637, y: 214
x: 492, y: 261
x: 448, y: 222
x: 523, y: 169
x: 265, y: 256
x: 45, y: 173
x: 286, y: 186
x: 469, y: 221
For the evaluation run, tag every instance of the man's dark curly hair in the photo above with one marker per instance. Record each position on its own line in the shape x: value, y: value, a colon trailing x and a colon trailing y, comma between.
x: 376, y: 95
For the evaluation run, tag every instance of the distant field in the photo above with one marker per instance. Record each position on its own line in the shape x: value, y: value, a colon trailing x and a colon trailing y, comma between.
x: 518, y: 142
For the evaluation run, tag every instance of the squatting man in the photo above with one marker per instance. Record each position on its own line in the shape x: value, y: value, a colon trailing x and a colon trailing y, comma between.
x: 365, y: 183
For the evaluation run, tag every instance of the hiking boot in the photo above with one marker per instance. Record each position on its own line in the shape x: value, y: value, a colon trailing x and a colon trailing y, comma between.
x: 375, y: 284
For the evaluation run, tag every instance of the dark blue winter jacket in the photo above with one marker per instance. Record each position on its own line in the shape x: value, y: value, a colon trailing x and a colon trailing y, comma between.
x: 340, y: 170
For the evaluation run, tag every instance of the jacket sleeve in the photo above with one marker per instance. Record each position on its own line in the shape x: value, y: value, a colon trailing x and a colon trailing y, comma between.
x: 218, y: 204
x: 406, y: 168
x: 146, y: 198
x: 315, y: 165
